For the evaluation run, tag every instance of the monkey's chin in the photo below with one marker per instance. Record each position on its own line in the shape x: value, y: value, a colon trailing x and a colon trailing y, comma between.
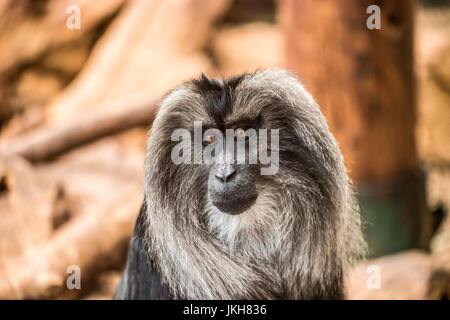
x: 235, y: 206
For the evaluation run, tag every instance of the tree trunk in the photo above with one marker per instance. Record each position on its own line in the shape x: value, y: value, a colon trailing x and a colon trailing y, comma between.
x: 363, y: 81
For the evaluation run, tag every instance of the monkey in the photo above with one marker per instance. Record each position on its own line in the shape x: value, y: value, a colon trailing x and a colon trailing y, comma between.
x: 224, y: 230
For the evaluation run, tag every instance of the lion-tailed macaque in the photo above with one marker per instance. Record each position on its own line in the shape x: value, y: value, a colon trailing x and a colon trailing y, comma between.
x: 246, y: 196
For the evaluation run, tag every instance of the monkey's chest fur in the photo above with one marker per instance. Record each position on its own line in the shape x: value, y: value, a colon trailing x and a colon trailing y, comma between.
x: 143, y: 278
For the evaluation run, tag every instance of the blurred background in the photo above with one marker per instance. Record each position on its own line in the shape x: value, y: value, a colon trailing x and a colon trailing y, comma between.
x: 79, y: 87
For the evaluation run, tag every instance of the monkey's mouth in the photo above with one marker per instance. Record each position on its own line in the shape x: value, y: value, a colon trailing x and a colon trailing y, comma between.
x: 231, y: 189
x: 235, y: 205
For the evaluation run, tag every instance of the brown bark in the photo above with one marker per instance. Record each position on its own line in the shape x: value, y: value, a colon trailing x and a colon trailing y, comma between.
x: 402, y: 276
x: 40, y: 55
x: 34, y: 252
x: 409, y: 275
x: 363, y: 79
x: 87, y: 242
x: 150, y: 47
x: 439, y: 282
x: 26, y: 211
x: 30, y: 29
x: 53, y: 142
x: 237, y: 49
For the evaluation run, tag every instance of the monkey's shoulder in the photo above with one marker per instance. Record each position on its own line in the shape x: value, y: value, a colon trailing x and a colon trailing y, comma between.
x: 140, y: 280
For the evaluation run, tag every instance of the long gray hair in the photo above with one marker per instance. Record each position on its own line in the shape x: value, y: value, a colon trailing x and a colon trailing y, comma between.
x: 302, y: 232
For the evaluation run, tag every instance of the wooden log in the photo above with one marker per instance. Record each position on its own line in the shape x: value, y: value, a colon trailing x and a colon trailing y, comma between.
x: 39, y: 53
x: 29, y: 30
x: 402, y: 276
x: 84, y: 242
x: 26, y: 210
x: 150, y: 47
x: 53, y: 142
x: 108, y: 194
x: 439, y: 282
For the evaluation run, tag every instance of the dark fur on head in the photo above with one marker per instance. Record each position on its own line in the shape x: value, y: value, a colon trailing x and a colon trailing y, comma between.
x: 302, y: 232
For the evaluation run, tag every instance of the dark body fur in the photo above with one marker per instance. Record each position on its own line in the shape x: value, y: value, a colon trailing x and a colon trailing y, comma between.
x: 140, y: 280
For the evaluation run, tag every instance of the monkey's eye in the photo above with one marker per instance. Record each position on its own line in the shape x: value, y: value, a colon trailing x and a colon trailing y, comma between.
x: 241, y: 133
x: 209, y: 139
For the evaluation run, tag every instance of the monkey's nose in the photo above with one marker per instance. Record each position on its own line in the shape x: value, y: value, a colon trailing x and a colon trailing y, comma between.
x: 225, y: 172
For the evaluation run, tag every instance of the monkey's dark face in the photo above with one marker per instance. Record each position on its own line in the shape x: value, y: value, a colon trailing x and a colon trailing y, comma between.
x: 231, y: 187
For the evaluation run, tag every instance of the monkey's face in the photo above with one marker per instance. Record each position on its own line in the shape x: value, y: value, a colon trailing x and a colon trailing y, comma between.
x: 231, y: 187
x: 235, y: 146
